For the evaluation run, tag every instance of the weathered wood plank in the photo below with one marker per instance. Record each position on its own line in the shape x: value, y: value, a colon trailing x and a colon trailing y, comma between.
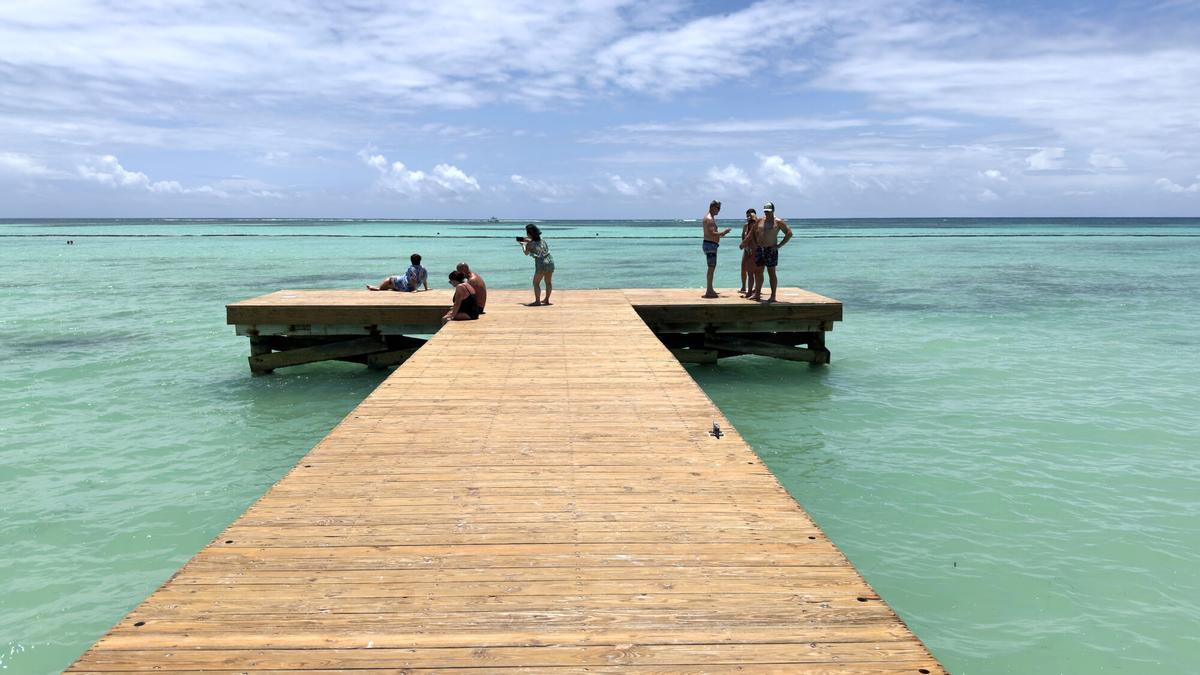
x: 536, y: 491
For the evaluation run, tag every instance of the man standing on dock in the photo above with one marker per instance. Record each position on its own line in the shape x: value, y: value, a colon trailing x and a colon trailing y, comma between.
x: 766, y: 251
x: 712, y: 240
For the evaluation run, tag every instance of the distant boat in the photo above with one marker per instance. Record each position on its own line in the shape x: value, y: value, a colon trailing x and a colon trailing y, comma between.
x: 493, y: 219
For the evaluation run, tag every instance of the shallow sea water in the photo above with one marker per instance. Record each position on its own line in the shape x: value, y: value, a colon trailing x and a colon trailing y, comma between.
x: 1005, y: 443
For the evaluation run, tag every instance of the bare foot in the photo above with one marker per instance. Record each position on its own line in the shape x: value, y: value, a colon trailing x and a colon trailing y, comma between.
x: 710, y: 294
x: 769, y: 301
x: 535, y: 303
x: 756, y: 297
x: 371, y: 288
x: 547, y: 302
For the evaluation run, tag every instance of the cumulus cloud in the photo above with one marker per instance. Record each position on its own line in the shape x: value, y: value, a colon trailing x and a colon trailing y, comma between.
x: 107, y: 170
x: 797, y: 175
x: 909, y: 96
x: 730, y: 176
x: 1168, y: 185
x: 445, y: 181
x: 1045, y: 159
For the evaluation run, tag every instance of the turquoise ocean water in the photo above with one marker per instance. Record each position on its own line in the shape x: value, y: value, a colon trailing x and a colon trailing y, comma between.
x: 1006, y: 443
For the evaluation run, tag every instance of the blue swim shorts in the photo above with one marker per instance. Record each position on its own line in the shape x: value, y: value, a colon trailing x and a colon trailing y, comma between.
x: 710, y: 252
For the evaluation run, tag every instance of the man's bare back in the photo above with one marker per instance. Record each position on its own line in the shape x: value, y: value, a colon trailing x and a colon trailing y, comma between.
x: 475, y: 282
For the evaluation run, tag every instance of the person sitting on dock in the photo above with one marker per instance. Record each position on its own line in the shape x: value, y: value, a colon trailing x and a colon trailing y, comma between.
x: 766, y: 251
x: 412, y: 279
x: 477, y: 283
x: 712, y: 241
x: 466, y: 305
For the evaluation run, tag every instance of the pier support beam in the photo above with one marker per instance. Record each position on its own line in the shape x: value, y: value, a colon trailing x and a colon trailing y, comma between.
x: 708, y: 347
x: 334, y: 350
x: 268, y: 352
x: 762, y: 348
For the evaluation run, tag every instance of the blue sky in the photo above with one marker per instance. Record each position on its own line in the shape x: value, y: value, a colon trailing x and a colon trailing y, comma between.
x: 598, y: 108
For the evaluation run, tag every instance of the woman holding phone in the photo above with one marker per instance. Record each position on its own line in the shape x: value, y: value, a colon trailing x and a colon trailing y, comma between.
x: 543, y: 263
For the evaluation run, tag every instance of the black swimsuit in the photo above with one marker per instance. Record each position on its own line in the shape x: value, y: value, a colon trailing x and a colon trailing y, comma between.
x: 469, y: 306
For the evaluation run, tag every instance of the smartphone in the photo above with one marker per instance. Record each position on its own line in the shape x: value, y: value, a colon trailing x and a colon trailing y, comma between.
x: 521, y: 239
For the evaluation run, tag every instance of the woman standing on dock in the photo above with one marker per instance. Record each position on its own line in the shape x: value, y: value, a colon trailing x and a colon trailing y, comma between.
x: 543, y: 263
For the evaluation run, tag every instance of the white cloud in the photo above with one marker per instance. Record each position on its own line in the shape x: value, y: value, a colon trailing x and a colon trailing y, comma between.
x: 276, y: 158
x: 1168, y: 185
x: 639, y: 187
x: 735, y: 126
x: 1103, y: 161
x: 1045, y: 159
x: 730, y: 176
x: 775, y: 171
x: 918, y: 97
x: 250, y: 187
x: 107, y: 170
x: 446, y: 181
x: 453, y: 130
x: 546, y: 192
x: 1084, y: 90
x: 708, y: 49
x: 987, y: 195
x: 23, y: 165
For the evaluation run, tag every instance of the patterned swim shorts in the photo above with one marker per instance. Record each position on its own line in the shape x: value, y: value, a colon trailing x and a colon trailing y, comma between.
x: 710, y: 252
x: 766, y: 256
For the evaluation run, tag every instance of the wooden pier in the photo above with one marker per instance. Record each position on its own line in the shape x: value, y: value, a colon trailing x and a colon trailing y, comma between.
x: 537, y: 491
x: 290, y: 328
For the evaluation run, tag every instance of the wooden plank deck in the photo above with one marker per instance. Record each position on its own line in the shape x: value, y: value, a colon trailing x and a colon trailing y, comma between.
x: 355, y: 309
x: 536, y: 491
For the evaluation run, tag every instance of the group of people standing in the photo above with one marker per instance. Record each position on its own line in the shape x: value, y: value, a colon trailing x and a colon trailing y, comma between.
x: 759, y: 245
x: 470, y: 290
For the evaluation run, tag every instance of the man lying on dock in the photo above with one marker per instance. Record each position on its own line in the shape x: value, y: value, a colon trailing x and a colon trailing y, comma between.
x: 477, y: 283
x: 409, y: 282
